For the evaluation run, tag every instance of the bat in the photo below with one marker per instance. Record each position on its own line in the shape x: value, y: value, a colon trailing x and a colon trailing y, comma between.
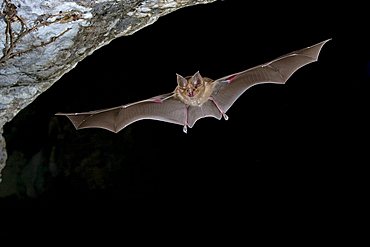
x: 197, y: 97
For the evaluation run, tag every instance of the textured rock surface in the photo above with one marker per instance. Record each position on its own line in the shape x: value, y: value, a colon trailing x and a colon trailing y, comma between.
x: 40, y: 40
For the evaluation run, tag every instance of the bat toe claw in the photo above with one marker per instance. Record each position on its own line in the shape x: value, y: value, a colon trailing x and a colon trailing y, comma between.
x: 185, y: 129
x: 226, y: 117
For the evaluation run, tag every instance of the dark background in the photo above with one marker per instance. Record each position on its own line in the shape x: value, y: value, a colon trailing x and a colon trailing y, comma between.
x: 291, y: 146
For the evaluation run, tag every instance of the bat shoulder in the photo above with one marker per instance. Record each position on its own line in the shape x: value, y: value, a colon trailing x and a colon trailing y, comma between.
x: 208, y: 81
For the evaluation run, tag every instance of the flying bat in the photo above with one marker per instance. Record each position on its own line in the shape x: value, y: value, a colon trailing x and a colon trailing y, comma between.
x: 197, y: 97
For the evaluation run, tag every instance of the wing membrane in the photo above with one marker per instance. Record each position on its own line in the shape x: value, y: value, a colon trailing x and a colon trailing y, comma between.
x: 228, y: 89
x: 163, y: 108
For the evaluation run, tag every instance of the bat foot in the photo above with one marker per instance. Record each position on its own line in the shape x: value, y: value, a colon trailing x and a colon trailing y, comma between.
x: 218, y: 107
x: 185, y: 129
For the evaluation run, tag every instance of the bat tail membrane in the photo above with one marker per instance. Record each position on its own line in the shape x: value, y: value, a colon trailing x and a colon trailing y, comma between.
x: 207, y: 109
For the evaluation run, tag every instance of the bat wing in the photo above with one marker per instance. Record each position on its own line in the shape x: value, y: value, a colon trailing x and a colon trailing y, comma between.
x: 163, y: 107
x: 229, y: 88
x: 226, y: 91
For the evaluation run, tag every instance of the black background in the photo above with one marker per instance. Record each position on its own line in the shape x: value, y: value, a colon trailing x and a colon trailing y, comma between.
x: 285, y: 147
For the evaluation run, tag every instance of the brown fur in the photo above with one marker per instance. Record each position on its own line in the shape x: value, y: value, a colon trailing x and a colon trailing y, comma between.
x: 192, y: 95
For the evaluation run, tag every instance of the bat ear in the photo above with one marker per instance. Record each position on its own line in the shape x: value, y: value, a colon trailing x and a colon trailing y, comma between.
x: 181, y: 81
x: 196, y: 79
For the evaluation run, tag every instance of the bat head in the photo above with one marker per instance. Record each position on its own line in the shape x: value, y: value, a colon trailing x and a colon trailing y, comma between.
x: 190, y: 87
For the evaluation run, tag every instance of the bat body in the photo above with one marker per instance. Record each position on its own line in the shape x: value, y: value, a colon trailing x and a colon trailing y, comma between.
x: 196, y: 97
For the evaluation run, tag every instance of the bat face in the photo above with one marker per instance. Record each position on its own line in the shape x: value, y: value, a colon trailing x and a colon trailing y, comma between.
x: 194, y: 90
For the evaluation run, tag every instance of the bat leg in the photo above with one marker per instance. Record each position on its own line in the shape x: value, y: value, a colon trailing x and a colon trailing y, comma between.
x: 218, y: 107
x: 185, y: 128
